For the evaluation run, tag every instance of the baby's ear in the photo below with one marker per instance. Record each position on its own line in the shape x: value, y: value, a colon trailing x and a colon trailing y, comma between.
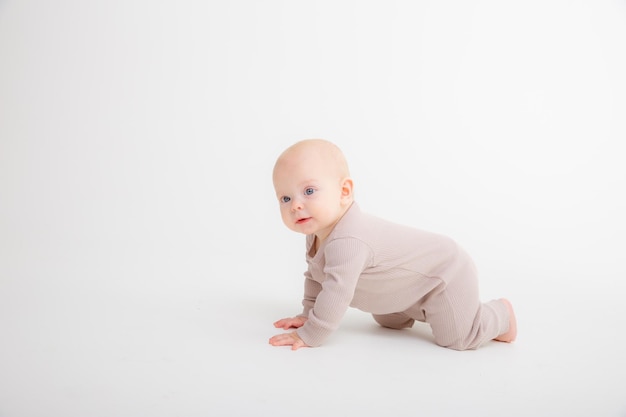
x: 346, y: 188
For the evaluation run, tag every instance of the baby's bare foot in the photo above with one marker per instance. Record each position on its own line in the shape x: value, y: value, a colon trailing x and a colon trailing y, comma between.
x: 512, y: 333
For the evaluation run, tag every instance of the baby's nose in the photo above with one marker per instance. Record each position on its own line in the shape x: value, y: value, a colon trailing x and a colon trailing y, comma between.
x: 296, y: 205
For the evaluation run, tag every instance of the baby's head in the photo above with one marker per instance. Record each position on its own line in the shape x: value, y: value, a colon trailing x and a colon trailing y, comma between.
x: 313, y: 186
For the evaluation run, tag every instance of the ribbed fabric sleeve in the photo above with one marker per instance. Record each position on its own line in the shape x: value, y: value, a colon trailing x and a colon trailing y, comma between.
x: 311, y: 289
x: 345, y: 259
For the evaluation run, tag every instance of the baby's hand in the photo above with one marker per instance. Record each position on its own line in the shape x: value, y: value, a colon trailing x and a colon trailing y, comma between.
x: 288, y: 339
x: 290, y: 323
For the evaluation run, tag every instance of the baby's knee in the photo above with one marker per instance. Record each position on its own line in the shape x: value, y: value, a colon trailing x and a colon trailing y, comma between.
x: 457, y: 340
x: 394, y: 320
x: 457, y: 345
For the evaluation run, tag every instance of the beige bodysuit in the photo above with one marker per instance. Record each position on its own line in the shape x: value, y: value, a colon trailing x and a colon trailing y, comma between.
x: 399, y: 274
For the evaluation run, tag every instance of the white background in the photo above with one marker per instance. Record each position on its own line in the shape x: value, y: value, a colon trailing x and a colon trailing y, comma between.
x: 142, y: 257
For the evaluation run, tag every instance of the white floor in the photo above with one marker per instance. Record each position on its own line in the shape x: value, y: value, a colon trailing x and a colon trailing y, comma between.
x: 72, y: 349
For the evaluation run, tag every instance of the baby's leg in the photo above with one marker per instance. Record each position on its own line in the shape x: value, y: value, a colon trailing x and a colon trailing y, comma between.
x: 394, y: 320
x: 459, y: 320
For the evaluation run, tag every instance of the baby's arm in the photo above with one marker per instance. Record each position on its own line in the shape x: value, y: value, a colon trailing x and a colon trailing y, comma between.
x: 311, y: 289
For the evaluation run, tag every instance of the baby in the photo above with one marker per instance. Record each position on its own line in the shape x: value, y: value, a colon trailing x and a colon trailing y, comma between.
x: 396, y: 273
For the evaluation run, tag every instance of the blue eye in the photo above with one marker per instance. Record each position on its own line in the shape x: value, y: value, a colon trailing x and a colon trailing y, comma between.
x: 285, y: 199
x: 309, y: 191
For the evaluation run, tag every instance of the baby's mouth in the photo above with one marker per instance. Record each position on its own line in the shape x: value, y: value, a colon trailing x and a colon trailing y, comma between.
x: 303, y: 220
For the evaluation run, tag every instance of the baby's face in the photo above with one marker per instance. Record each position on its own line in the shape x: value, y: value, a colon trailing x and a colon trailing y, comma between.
x: 309, y: 195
